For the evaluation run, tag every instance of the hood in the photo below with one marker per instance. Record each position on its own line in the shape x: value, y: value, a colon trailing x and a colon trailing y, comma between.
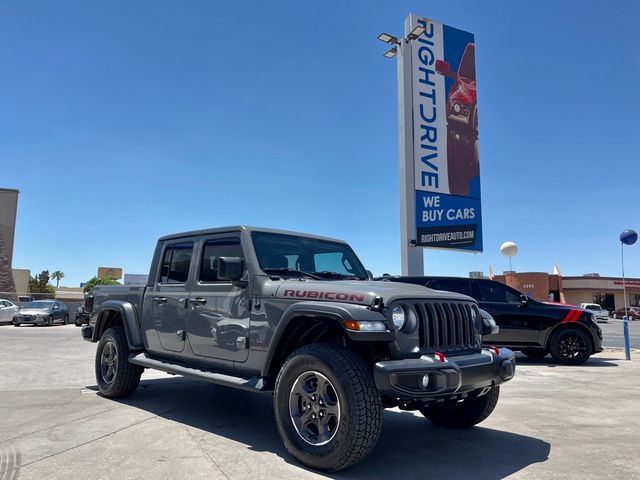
x: 360, y: 292
x: 33, y: 311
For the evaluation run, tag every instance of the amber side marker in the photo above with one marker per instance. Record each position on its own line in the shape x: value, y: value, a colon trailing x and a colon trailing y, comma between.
x: 351, y: 325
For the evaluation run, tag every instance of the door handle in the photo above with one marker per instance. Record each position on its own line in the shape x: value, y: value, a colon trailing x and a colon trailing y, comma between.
x: 160, y: 299
x: 198, y: 300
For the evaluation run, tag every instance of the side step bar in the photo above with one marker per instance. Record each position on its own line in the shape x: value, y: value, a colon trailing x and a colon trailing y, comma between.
x: 251, y: 384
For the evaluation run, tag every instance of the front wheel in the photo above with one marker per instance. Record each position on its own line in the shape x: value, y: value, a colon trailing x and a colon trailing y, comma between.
x: 571, y: 346
x: 116, y: 377
x: 464, y: 414
x: 327, y: 408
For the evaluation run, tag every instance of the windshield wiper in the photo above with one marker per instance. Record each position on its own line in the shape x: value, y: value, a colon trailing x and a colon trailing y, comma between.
x: 341, y: 276
x: 284, y: 271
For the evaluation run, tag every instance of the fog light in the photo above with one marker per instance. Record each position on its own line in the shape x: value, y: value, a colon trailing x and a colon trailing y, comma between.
x: 425, y: 381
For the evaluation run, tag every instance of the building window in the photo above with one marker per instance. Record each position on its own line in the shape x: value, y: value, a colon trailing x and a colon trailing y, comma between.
x: 605, y: 300
x: 634, y: 300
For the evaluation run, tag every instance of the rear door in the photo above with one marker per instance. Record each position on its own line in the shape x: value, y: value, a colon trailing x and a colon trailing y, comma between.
x: 6, y: 311
x: 218, y: 312
x: 456, y: 285
x: 164, y: 311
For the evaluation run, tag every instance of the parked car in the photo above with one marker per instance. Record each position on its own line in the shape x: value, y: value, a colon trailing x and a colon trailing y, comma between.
x: 571, y: 335
x: 7, y: 310
x: 600, y: 313
x: 82, y: 316
x: 42, y: 312
x: 632, y: 312
x: 261, y: 309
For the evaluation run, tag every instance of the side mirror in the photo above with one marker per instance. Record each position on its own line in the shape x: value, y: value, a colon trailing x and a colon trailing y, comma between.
x: 524, y: 300
x: 230, y: 268
x: 443, y: 68
x: 369, y: 275
x: 489, y: 325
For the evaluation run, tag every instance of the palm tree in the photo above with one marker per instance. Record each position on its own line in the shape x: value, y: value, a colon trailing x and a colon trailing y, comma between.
x: 57, y: 276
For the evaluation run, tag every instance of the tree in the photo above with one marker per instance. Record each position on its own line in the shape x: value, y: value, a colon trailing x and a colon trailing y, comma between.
x: 88, y: 287
x: 57, y: 276
x: 40, y: 284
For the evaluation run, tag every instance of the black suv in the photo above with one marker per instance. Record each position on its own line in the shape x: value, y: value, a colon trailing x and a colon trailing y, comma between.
x: 571, y: 335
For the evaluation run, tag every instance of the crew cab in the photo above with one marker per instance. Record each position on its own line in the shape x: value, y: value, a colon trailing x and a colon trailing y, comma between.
x: 571, y: 335
x: 299, y: 315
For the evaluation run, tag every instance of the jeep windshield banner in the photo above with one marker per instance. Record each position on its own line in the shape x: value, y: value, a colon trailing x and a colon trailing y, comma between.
x: 445, y: 119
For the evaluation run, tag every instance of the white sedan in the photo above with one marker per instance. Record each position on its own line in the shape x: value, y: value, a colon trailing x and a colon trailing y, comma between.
x: 7, y: 311
x: 601, y: 314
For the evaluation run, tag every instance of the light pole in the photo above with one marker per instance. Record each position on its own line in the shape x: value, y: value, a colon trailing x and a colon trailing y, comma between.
x: 627, y: 237
x: 412, y: 260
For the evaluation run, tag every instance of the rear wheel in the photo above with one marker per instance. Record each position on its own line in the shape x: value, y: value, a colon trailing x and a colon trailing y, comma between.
x: 116, y: 377
x: 464, y: 414
x: 571, y: 346
x: 327, y: 408
x: 535, y: 353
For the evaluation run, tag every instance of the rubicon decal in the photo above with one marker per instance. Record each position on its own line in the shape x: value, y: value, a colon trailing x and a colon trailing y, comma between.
x: 343, y: 296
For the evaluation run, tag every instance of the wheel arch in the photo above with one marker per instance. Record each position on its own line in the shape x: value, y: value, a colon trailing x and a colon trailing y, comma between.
x: 113, y: 313
x: 306, y: 323
x: 565, y: 325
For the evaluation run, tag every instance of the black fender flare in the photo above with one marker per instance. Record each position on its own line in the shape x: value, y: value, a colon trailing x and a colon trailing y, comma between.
x: 336, y: 312
x: 562, y: 325
x: 130, y: 322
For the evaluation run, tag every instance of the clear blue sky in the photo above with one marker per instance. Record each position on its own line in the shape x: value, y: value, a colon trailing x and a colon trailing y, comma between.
x: 121, y: 121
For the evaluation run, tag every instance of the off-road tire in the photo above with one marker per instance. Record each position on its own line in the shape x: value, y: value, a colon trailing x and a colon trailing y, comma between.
x: 359, y: 405
x: 556, y: 349
x: 127, y: 375
x: 535, y: 353
x: 465, y: 414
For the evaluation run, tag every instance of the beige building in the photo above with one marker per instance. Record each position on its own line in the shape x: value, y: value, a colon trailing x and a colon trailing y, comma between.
x: 589, y: 288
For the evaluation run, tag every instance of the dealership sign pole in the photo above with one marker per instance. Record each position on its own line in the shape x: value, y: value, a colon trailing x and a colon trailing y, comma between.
x: 438, y: 131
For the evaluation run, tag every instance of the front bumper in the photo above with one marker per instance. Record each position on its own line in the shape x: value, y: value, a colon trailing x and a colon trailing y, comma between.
x: 87, y: 332
x: 405, y: 379
x: 29, y: 320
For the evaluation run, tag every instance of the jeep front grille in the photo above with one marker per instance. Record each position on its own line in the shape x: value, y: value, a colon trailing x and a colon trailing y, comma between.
x: 448, y: 326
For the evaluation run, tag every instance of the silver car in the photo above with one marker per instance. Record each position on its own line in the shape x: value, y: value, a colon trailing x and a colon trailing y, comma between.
x: 7, y: 311
x: 599, y: 313
x: 42, y: 312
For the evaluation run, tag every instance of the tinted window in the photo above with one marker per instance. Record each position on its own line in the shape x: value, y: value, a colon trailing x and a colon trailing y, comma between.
x: 214, y: 249
x: 176, y: 262
x: 278, y: 251
x: 451, y: 285
x: 497, y: 292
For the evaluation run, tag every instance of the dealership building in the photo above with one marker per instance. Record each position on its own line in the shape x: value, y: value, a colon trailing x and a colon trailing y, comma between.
x: 589, y: 288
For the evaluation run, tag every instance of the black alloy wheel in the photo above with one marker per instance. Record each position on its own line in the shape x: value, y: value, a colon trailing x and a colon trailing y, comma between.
x: 314, y: 408
x: 571, y: 346
x: 109, y: 362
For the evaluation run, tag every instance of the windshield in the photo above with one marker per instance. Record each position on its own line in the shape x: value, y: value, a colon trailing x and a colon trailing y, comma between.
x: 278, y: 253
x: 593, y: 307
x: 37, y: 305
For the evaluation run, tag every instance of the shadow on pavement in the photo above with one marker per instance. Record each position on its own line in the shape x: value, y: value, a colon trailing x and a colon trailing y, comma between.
x: 409, y: 446
x: 594, y: 361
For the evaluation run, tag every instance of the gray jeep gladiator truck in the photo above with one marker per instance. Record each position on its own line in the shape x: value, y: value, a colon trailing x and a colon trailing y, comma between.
x: 296, y: 314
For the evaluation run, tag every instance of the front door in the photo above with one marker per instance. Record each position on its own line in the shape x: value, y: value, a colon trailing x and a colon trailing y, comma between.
x: 518, y: 323
x: 218, y: 312
x: 165, y: 302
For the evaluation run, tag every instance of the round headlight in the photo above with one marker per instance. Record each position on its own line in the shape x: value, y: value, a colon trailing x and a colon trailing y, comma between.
x: 398, y: 316
x: 456, y: 107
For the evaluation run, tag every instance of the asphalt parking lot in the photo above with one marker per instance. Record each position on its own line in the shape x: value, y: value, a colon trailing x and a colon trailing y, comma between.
x: 613, y: 336
x: 551, y: 422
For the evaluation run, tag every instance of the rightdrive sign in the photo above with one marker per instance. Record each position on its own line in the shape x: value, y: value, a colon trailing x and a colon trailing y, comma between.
x: 445, y: 138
